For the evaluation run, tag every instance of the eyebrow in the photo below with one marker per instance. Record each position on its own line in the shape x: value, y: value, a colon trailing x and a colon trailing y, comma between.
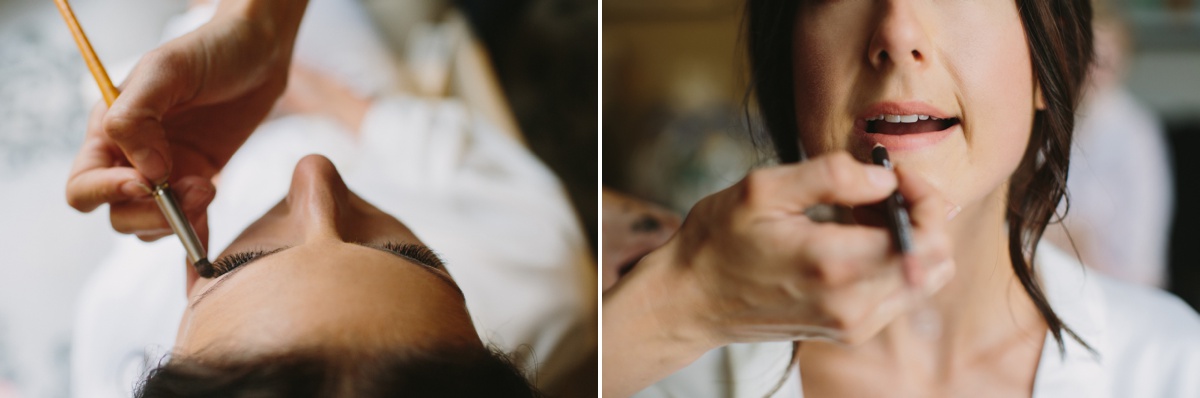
x: 425, y: 266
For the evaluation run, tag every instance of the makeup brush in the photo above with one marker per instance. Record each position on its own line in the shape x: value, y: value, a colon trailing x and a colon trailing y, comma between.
x: 162, y: 193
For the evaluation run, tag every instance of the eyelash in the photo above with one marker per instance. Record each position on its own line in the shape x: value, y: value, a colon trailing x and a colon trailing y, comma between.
x: 419, y: 254
x: 229, y: 263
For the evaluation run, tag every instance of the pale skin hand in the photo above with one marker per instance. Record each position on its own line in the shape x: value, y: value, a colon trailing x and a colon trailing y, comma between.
x: 182, y: 113
x: 749, y: 266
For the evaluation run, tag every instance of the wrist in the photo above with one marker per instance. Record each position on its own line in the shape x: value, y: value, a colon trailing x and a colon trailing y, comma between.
x: 673, y: 295
x: 278, y: 21
x: 653, y: 324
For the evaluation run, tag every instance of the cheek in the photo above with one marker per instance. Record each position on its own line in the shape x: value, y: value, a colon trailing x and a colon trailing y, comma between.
x: 997, y: 89
x: 825, y: 61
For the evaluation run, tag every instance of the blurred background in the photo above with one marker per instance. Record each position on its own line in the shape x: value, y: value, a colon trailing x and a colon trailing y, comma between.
x: 675, y: 126
x: 542, y: 52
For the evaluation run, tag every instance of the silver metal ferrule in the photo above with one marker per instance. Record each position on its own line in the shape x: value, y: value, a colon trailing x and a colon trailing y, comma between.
x: 179, y: 224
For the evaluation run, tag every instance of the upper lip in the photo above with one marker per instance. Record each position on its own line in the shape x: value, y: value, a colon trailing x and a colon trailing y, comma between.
x: 903, y: 108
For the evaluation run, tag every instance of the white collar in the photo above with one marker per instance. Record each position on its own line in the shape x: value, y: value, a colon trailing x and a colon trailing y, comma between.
x: 1077, y: 299
x: 754, y: 369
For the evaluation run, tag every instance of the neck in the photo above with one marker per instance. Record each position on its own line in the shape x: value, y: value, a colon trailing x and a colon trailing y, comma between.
x: 983, y: 307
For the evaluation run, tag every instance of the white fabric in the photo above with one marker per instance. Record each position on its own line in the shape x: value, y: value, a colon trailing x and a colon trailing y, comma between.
x: 1148, y: 343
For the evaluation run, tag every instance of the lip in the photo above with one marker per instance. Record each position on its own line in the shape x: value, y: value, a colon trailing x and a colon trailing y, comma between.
x: 902, y: 142
x: 903, y: 108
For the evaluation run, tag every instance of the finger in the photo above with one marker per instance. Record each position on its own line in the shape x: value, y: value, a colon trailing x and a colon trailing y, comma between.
x: 144, y: 218
x: 138, y: 217
x: 134, y: 122
x: 153, y: 236
x: 932, y: 249
x: 898, y: 303
x: 830, y: 179
x: 90, y: 182
x: 199, y: 223
x: 866, y: 318
x: 855, y: 309
x: 838, y: 255
x: 92, y: 188
x: 927, y: 205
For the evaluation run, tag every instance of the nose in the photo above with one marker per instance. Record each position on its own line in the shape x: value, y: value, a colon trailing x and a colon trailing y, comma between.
x: 318, y: 197
x: 900, y: 40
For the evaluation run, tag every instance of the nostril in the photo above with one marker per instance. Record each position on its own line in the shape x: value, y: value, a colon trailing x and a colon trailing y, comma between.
x: 916, y: 55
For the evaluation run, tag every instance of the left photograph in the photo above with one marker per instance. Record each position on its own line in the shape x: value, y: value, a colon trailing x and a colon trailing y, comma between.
x: 281, y: 198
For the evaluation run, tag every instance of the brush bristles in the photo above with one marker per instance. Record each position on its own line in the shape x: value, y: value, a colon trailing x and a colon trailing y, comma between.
x: 205, y: 269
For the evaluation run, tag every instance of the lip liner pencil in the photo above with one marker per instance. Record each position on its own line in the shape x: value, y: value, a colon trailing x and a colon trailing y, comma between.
x: 898, y: 222
x: 162, y: 193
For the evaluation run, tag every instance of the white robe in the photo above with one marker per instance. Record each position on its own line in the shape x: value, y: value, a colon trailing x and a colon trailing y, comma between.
x: 1148, y: 343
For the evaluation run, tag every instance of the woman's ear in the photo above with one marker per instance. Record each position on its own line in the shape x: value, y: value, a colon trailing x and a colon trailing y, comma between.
x: 1039, y: 101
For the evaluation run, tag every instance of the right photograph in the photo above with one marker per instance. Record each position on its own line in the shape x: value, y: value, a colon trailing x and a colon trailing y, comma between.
x: 900, y: 198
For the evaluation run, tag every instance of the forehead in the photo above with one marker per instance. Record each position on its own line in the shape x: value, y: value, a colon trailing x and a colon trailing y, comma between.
x: 327, y: 294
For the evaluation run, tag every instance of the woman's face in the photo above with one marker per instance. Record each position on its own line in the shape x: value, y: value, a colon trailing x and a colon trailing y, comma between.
x: 339, y: 274
x: 964, y: 62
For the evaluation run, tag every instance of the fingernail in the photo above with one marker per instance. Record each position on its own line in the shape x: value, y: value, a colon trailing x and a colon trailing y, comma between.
x: 197, y: 196
x: 881, y: 177
x: 150, y: 163
x: 953, y: 211
x: 135, y: 188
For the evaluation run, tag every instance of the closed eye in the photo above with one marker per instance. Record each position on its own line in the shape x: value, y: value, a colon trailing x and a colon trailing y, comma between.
x: 419, y: 254
x: 228, y: 263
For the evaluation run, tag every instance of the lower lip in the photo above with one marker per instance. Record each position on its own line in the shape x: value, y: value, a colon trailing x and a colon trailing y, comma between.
x: 902, y: 142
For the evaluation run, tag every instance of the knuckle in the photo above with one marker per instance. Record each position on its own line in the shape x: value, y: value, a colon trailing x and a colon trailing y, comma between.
x: 815, y: 273
x: 162, y: 59
x: 839, y: 321
x: 119, y: 126
x: 755, y: 185
x: 839, y: 170
x: 850, y: 324
x: 855, y: 337
x: 825, y: 274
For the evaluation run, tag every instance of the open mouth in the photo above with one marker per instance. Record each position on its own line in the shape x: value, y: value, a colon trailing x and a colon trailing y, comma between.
x: 908, y: 124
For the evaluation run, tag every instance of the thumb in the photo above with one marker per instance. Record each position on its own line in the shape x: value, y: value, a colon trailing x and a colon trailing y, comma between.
x: 134, y: 121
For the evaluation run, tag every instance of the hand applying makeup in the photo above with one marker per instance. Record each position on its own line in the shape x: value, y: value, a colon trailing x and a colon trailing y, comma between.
x: 750, y: 265
x: 182, y: 113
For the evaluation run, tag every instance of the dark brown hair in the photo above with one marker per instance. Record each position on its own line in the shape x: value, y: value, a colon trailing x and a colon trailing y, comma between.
x: 1060, y: 46
x: 456, y: 371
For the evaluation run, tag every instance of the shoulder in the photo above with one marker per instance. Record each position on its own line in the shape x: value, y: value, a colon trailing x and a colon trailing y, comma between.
x: 1154, y: 343
x: 1148, y: 340
x: 1151, y: 329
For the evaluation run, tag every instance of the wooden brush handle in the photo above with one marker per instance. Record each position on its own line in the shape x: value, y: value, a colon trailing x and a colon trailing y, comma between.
x: 89, y: 55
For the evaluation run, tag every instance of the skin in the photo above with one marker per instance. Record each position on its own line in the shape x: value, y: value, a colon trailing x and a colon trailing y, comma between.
x: 632, y: 228
x: 325, y: 290
x: 970, y: 59
x: 748, y: 265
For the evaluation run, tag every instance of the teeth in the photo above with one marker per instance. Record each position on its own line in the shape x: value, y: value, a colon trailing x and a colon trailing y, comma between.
x: 901, y: 118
